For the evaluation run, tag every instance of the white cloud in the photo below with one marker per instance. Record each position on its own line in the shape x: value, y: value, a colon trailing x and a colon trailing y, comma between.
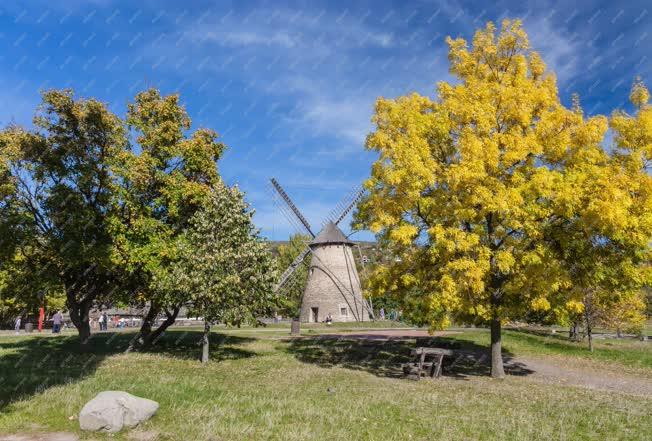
x: 287, y: 30
x: 561, y: 51
x: 344, y: 113
x: 331, y: 68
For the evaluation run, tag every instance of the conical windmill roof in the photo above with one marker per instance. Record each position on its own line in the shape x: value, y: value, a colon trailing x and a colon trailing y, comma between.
x: 330, y: 234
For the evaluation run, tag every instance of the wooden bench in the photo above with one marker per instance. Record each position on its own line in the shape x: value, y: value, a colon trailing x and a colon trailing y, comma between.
x: 421, y: 365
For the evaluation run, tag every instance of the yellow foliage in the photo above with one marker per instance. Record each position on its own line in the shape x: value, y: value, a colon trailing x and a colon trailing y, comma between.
x: 540, y: 304
x: 575, y: 307
x: 640, y: 95
x: 486, y: 190
x: 404, y: 234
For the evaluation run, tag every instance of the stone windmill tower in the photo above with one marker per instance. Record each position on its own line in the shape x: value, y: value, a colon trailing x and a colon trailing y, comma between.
x: 333, y: 285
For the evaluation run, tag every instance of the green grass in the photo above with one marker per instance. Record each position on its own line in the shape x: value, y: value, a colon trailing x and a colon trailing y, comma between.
x: 261, y: 385
x: 628, y: 354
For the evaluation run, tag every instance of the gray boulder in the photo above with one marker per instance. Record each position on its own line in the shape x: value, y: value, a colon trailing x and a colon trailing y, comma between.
x: 110, y: 411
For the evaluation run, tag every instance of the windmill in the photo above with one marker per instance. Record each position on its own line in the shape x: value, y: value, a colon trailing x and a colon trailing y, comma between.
x: 333, y: 285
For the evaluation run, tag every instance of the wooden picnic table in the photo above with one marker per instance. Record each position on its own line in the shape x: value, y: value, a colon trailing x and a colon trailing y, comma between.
x: 420, y: 364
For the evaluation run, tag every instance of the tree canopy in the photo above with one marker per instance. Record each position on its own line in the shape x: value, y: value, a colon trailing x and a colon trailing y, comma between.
x: 104, y: 211
x: 293, y: 291
x: 226, y: 268
x: 162, y: 186
x: 64, y: 177
x: 489, y: 191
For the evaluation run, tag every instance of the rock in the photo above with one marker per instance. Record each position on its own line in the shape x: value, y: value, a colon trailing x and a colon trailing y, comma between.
x: 110, y: 411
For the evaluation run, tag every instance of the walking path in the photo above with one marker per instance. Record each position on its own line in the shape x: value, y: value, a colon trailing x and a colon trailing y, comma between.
x: 552, y: 370
x: 555, y: 370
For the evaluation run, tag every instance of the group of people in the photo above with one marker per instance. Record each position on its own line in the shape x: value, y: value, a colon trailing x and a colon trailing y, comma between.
x: 57, y: 323
x: 393, y: 315
x: 118, y: 322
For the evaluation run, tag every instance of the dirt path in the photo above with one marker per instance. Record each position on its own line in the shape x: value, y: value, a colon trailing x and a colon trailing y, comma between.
x: 381, y: 334
x: 557, y: 370
x: 552, y: 370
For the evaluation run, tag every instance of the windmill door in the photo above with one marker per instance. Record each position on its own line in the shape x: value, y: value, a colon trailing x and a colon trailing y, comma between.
x: 315, y: 315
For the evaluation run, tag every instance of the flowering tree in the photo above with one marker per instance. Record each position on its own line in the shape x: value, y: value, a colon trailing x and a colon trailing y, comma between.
x: 225, y: 267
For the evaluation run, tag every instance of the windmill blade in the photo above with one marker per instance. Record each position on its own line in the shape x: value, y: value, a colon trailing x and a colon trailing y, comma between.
x: 342, y: 204
x: 293, y: 207
x: 357, y: 196
x: 292, y: 268
x: 285, y: 211
x: 293, y: 281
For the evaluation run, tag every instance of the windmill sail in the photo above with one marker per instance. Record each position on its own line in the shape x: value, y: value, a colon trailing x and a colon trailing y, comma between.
x: 290, y: 269
x: 346, y: 211
x: 293, y: 207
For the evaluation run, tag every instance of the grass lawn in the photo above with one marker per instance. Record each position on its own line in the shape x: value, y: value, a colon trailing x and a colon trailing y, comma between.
x: 262, y: 385
x: 623, y: 354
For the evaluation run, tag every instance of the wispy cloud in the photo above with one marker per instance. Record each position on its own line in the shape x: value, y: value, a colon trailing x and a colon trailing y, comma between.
x: 327, y: 108
x: 319, y: 61
x: 323, y: 32
x: 249, y: 38
x: 562, y: 52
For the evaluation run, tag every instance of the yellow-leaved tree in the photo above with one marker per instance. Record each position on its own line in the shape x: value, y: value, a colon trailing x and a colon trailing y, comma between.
x: 469, y: 186
x: 604, y: 211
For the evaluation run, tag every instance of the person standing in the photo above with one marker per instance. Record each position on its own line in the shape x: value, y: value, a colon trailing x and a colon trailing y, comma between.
x: 41, y: 318
x: 101, y: 321
x: 57, y: 320
x: 17, y: 324
x: 106, y: 320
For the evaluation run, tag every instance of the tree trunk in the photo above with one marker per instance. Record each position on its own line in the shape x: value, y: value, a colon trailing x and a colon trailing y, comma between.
x: 497, y: 370
x: 573, y: 333
x: 145, y: 328
x: 205, y: 343
x: 589, y: 332
x: 170, y: 318
x: 146, y: 337
x: 79, y: 316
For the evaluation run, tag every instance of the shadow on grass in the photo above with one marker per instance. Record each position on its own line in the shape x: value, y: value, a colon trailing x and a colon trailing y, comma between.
x: 385, y: 357
x: 37, y: 363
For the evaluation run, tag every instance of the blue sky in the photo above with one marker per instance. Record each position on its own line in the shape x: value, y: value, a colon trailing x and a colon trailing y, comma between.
x: 290, y: 86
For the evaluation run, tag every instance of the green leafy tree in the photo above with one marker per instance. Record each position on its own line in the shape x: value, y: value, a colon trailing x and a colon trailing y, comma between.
x: 26, y: 284
x: 647, y: 295
x: 9, y: 208
x: 65, y: 183
x: 226, y: 267
x: 162, y: 187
